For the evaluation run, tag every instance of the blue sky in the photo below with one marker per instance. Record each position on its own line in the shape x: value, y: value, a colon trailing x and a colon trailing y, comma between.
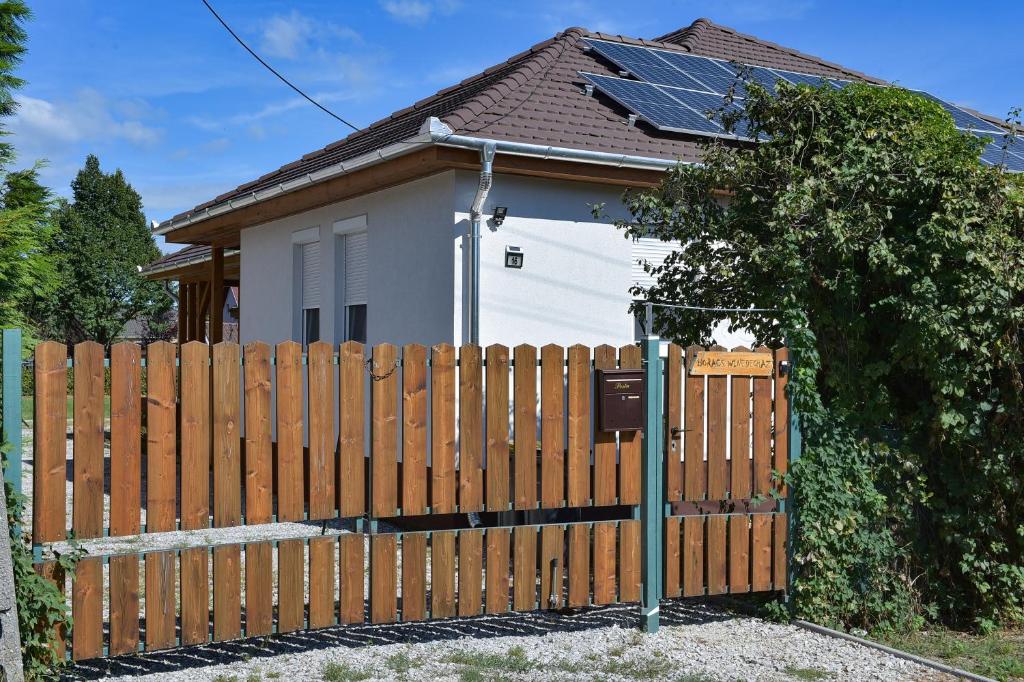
x: 161, y: 91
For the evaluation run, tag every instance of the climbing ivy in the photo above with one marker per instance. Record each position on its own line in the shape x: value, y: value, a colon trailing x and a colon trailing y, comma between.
x: 43, y: 614
x: 895, y: 262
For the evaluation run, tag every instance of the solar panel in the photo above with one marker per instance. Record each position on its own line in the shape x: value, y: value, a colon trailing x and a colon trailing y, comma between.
x: 961, y: 118
x: 717, y: 76
x: 645, y: 64
x: 802, y: 78
x: 712, y: 106
x: 655, y: 105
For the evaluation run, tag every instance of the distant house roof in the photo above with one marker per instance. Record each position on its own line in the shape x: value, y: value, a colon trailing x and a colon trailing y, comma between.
x: 189, y: 263
x: 537, y: 97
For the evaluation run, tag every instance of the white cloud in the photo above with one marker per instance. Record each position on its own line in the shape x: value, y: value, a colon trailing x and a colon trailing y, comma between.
x: 42, y: 123
x: 250, y: 119
x: 289, y: 36
x: 418, y: 11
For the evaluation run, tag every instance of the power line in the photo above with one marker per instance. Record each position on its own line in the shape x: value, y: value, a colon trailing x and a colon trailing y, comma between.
x: 274, y: 71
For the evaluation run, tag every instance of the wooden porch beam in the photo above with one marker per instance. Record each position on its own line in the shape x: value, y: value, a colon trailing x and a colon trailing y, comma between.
x: 216, y: 294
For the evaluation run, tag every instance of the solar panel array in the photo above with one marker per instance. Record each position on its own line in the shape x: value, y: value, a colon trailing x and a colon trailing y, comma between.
x: 680, y: 92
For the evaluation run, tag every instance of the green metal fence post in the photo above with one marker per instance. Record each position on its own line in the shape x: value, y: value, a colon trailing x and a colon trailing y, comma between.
x: 11, y: 373
x: 789, y: 503
x: 651, y: 507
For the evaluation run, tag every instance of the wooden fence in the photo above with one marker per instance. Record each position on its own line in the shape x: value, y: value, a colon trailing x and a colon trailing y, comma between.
x: 387, y: 446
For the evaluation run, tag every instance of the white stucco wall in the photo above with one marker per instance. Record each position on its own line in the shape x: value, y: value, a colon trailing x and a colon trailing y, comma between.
x: 410, y: 280
x: 574, y: 284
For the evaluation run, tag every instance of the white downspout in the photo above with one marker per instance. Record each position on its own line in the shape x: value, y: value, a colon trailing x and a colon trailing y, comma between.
x: 475, y: 216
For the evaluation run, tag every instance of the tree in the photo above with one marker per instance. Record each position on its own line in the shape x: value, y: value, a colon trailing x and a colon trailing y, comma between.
x: 895, y: 262
x: 25, y: 271
x: 100, y: 241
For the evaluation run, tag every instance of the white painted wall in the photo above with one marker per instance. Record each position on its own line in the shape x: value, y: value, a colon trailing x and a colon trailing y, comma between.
x: 410, y: 241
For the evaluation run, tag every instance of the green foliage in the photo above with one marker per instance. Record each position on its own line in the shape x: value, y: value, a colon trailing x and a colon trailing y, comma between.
x: 42, y: 609
x: 100, y: 241
x: 896, y: 264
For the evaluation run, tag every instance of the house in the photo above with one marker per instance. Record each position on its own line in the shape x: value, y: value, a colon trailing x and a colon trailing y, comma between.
x: 467, y: 216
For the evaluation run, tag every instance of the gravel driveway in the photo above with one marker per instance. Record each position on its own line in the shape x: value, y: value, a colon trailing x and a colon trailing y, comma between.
x: 695, y: 643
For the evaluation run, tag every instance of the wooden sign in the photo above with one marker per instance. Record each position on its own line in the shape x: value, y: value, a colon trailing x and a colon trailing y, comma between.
x: 715, y: 363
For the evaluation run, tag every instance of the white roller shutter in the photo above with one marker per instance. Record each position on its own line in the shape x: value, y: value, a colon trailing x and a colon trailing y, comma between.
x: 653, y: 251
x: 310, y: 275
x: 356, y: 264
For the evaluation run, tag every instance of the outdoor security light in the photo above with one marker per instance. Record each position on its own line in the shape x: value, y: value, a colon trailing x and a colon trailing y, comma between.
x: 499, y: 215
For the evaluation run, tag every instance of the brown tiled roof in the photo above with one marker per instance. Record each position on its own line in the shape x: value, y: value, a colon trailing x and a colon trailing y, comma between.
x: 179, y: 257
x: 537, y: 97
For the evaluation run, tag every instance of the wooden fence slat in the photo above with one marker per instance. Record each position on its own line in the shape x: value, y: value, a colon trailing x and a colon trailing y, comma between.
x: 629, y: 561
x: 524, y: 568
x: 290, y: 496
x: 498, y: 497
x: 321, y: 576
x: 87, y: 609
x: 694, y: 486
x: 259, y: 460
x: 470, y: 571
x: 49, y: 443
x: 673, y: 561
x: 779, y: 556
x: 291, y: 590
x: 762, y: 435
x: 470, y: 429
x: 761, y: 558
x: 195, y: 488
x: 604, y: 563
x: 87, y: 506
x: 125, y: 491
x: 605, y: 483
x: 414, y: 434
x: 442, y: 574
x: 579, y: 562
x: 320, y: 408
x: 717, y: 427
x: 716, y: 553
x: 259, y: 593
x: 414, y: 576
x: 351, y: 558
x: 781, y: 426
x: 630, y: 448
x: 384, y: 433
x: 739, y: 553
x: 161, y: 497
x: 740, y: 473
x: 674, y: 424
x: 351, y: 441
x: 442, y: 429
x: 195, y: 594
x: 497, y: 595
x: 552, y: 435
x: 693, y: 556
x: 227, y: 592
x: 525, y: 427
x: 227, y: 490
x: 578, y: 390
x: 552, y: 551
x: 383, y: 578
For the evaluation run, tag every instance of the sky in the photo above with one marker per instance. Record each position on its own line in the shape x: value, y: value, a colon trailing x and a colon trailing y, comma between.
x: 161, y: 91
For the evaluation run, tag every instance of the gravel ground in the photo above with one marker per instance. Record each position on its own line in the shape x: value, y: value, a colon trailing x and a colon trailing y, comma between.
x: 695, y: 643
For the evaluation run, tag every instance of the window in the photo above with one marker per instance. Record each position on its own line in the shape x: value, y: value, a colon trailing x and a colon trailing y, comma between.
x: 310, y: 281
x: 355, y: 329
x: 355, y: 286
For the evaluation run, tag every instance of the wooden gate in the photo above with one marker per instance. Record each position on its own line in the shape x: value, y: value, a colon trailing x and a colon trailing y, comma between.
x: 270, y: 490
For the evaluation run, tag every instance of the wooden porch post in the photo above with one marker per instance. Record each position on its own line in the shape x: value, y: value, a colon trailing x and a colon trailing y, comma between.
x: 193, y: 311
x: 182, y: 312
x: 217, y: 294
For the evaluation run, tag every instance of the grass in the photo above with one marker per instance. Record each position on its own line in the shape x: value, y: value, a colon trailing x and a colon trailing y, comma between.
x: 342, y: 672
x: 811, y: 674
x: 477, y: 666
x: 999, y: 655
x: 28, y: 407
x: 655, y: 667
x: 401, y: 663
